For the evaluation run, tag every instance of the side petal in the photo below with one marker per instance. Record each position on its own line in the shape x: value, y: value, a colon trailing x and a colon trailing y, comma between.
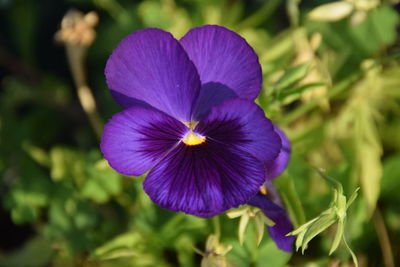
x: 135, y: 139
x: 151, y: 66
x: 204, y: 180
x: 282, y: 222
x: 242, y: 124
x: 277, y: 166
x: 222, y: 56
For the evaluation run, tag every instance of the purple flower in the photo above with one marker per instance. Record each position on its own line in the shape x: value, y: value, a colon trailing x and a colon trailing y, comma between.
x: 190, y: 120
x: 271, y: 205
x: 270, y: 202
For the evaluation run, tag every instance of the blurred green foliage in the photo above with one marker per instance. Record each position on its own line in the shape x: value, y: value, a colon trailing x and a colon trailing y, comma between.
x: 333, y: 85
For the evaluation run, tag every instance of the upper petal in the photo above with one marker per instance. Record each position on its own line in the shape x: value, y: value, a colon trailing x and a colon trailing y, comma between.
x: 278, y: 215
x: 211, y: 94
x: 222, y: 56
x: 277, y: 166
x: 204, y: 180
x: 151, y: 66
x: 242, y: 124
x: 135, y: 139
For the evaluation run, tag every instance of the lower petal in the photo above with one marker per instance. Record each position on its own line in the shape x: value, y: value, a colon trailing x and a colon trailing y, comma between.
x: 204, y: 180
x: 277, y: 214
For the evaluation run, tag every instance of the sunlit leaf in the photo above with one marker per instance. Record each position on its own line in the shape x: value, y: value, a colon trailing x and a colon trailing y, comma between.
x: 318, y: 226
x: 121, y: 246
x: 259, y: 226
x: 331, y: 12
x: 338, y: 237
x: 244, y: 220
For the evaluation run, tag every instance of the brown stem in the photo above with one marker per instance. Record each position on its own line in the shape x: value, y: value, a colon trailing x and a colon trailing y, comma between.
x: 383, y: 238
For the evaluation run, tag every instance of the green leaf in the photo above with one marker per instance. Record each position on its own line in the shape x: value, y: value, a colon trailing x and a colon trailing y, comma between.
x: 270, y: 255
x: 353, y: 256
x: 352, y: 198
x: 37, y: 154
x: 66, y: 163
x: 369, y: 170
x: 24, y: 214
x: 101, y: 183
x: 292, y: 201
x: 380, y: 27
x: 390, y: 180
x: 300, y: 89
x: 303, y: 227
x: 234, y: 213
x: 121, y: 246
x: 244, y: 220
x: 321, y: 224
x: 35, y: 252
x: 292, y: 76
x: 338, y: 236
x: 259, y: 227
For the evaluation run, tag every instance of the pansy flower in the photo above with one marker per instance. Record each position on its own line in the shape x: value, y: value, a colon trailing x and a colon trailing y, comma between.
x: 190, y: 120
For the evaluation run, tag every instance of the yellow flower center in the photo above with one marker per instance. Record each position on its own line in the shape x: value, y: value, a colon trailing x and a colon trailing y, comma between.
x: 193, y: 139
x: 263, y: 190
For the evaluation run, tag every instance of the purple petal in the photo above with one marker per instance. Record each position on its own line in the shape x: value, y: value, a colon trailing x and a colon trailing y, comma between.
x: 151, y: 66
x: 222, y: 56
x: 282, y: 222
x: 277, y: 166
x: 135, y: 139
x: 204, y: 180
x: 242, y: 124
x: 211, y: 94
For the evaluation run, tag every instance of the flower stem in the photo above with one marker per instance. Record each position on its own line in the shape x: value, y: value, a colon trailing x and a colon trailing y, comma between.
x: 76, y: 55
